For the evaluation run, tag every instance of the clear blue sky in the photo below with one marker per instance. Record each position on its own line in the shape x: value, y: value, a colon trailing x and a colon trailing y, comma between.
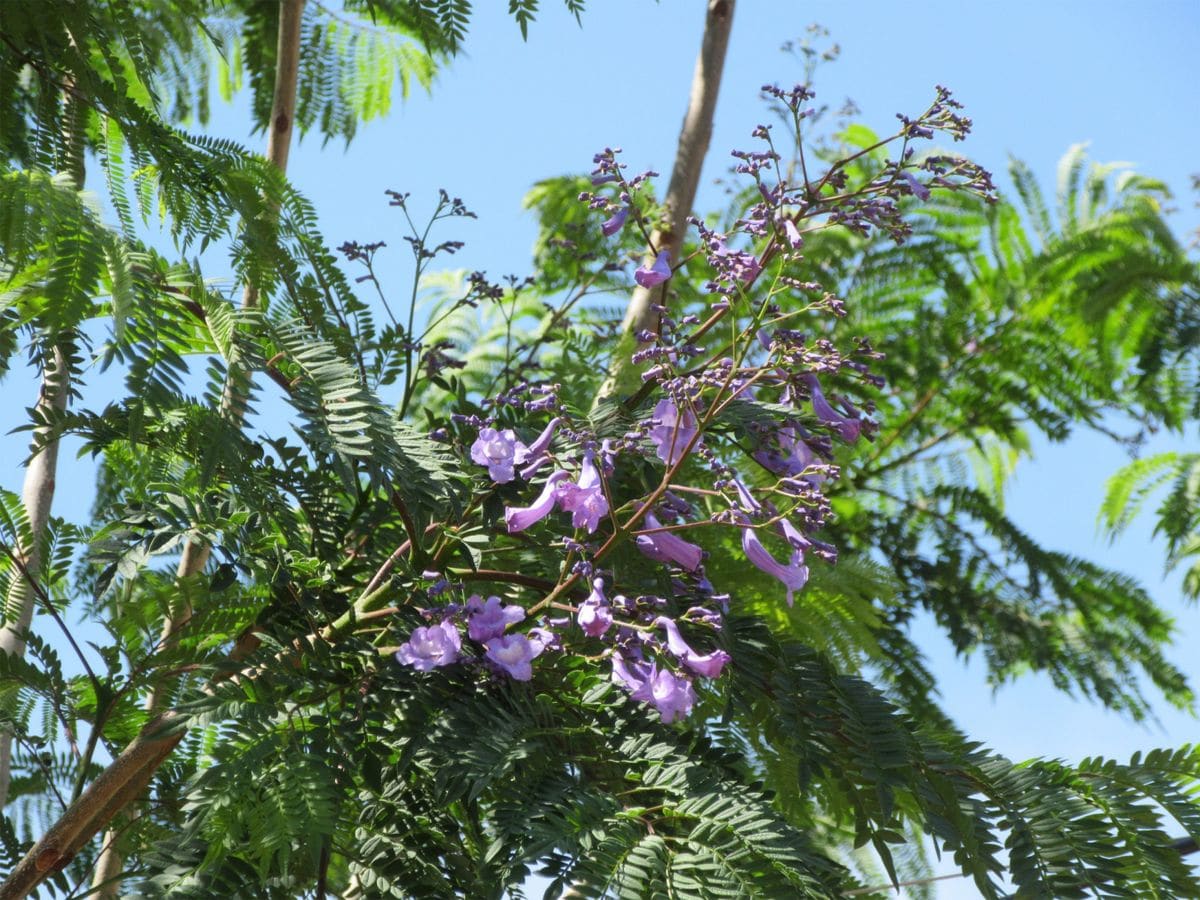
x: 1035, y: 76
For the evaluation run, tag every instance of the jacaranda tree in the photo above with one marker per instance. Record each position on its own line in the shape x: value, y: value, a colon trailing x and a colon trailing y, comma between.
x: 527, y: 582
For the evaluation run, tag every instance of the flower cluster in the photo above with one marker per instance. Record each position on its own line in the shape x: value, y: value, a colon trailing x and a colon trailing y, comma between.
x: 487, y: 622
x: 737, y: 426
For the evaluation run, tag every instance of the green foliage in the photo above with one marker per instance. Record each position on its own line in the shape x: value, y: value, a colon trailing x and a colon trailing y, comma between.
x: 1177, y: 516
x: 312, y: 760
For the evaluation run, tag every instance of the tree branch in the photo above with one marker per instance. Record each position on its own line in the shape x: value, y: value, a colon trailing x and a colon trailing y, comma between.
x: 106, y: 881
x: 681, y: 192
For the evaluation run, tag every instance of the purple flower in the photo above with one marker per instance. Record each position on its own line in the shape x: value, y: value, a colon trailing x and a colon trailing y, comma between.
x: 545, y: 638
x: 518, y: 518
x: 536, y: 451
x: 488, y: 620
x: 437, y: 645
x: 672, y: 695
x: 793, y: 234
x: 613, y: 225
x: 789, y: 456
x: 735, y: 263
x: 665, y: 547
x: 649, y: 276
x: 633, y: 674
x: 920, y: 190
x: 794, y: 575
x: 848, y: 428
x: 584, y: 498
x: 496, y: 450
x: 708, y: 665
x: 594, y: 616
x: 513, y: 653
x: 672, y: 431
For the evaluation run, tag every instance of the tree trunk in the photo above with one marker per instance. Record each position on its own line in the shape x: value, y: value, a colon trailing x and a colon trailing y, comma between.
x: 37, y: 496
x: 37, y: 493
x: 106, y: 878
x: 694, y: 138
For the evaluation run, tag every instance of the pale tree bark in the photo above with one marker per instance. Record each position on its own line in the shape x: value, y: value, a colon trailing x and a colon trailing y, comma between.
x: 37, y: 492
x: 37, y: 495
x: 694, y: 138
x: 106, y: 878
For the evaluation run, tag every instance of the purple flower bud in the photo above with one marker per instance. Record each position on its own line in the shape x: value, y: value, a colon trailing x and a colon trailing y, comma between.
x: 649, y: 276
x: 488, y: 620
x: 514, y: 653
x: 672, y: 431
x: 793, y: 234
x: 519, y: 518
x: 921, y: 192
x: 584, y: 499
x: 595, y: 618
x: 616, y: 223
x: 794, y: 575
x: 708, y: 665
x: 437, y: 645
x: 665, y: 547
x: 496, y: 450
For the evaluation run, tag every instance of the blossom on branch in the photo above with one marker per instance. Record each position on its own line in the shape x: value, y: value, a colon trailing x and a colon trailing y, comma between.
x: 708, y: 665
x: 673, y: 430
x: 594, y: 615
x: 665, y: 547
x: 517, y: 518
x: 437, y: 645
x: 487, y: 620
x: 584, y: 498
x: 514, y: 653
x: 497, y: 450
x: 656, y: 274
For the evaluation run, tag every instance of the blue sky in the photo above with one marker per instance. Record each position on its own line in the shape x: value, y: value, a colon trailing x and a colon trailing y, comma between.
x: 1035, y: 77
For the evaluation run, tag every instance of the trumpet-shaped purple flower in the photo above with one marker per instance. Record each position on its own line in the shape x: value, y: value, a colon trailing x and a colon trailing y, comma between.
x: 672, y: 695
x: 518, y: 518
x: 708, y: 665
x: 794, y: 574
x: 920, y: 190
x: 524, y: 455
x: 487, y: 620
x: 616, y: 222
x: 584, y: 498
x: 848, y: 428
x: 514, y: 653
x: 649, y: 276
x: 497, y: 450
x: 788, y: 456
x: 594, y: 616
x: 632, y: 674
x: 673, y: 430
x: 665, y: 547
x: 793, y: 234
x: 437, y: 645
